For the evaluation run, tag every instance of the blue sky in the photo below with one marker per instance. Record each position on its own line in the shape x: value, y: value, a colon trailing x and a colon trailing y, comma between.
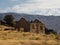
x: 41, y: 7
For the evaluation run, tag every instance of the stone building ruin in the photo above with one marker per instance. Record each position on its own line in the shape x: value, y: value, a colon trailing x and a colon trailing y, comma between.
x: 35, y: 26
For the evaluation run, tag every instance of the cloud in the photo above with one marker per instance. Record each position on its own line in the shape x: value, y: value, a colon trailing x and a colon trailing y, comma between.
x: 43, y: 7
x: 41, y: 3
x: 32, y: 9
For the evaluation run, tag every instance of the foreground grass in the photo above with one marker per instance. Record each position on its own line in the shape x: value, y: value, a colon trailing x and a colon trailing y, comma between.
x: 26, y: 38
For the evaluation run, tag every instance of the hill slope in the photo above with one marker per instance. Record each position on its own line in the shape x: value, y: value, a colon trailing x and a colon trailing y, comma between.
x: 51, y: 22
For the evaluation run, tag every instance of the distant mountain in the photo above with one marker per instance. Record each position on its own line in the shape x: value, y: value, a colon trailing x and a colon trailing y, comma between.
x: 51, y: 22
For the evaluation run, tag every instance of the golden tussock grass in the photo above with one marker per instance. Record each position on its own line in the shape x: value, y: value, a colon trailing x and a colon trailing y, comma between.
x: 27, y: 38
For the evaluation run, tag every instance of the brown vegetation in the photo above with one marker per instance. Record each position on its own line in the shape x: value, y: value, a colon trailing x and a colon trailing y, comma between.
x: 27, y: 38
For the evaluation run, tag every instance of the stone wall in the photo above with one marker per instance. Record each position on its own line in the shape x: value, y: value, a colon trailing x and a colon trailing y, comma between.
x: 37, y: 28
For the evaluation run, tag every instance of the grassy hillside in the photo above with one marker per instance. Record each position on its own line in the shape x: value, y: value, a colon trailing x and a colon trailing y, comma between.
x: 26, y: 38
x: 15, y: 38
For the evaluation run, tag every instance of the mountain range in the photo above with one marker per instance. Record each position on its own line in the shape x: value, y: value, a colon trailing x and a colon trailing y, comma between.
x: 51, y: 22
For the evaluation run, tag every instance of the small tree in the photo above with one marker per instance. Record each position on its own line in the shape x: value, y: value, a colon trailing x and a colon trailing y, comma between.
x: 48, y: 31
x: 9, y: 19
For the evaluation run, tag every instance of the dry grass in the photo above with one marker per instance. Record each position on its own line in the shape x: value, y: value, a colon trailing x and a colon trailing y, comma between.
x: 26, y: 38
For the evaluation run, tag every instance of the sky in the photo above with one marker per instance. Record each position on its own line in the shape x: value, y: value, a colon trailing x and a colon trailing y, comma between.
x: 39, y: 7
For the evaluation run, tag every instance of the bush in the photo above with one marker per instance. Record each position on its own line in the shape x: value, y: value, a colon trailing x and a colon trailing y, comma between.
x: 9, y: 19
